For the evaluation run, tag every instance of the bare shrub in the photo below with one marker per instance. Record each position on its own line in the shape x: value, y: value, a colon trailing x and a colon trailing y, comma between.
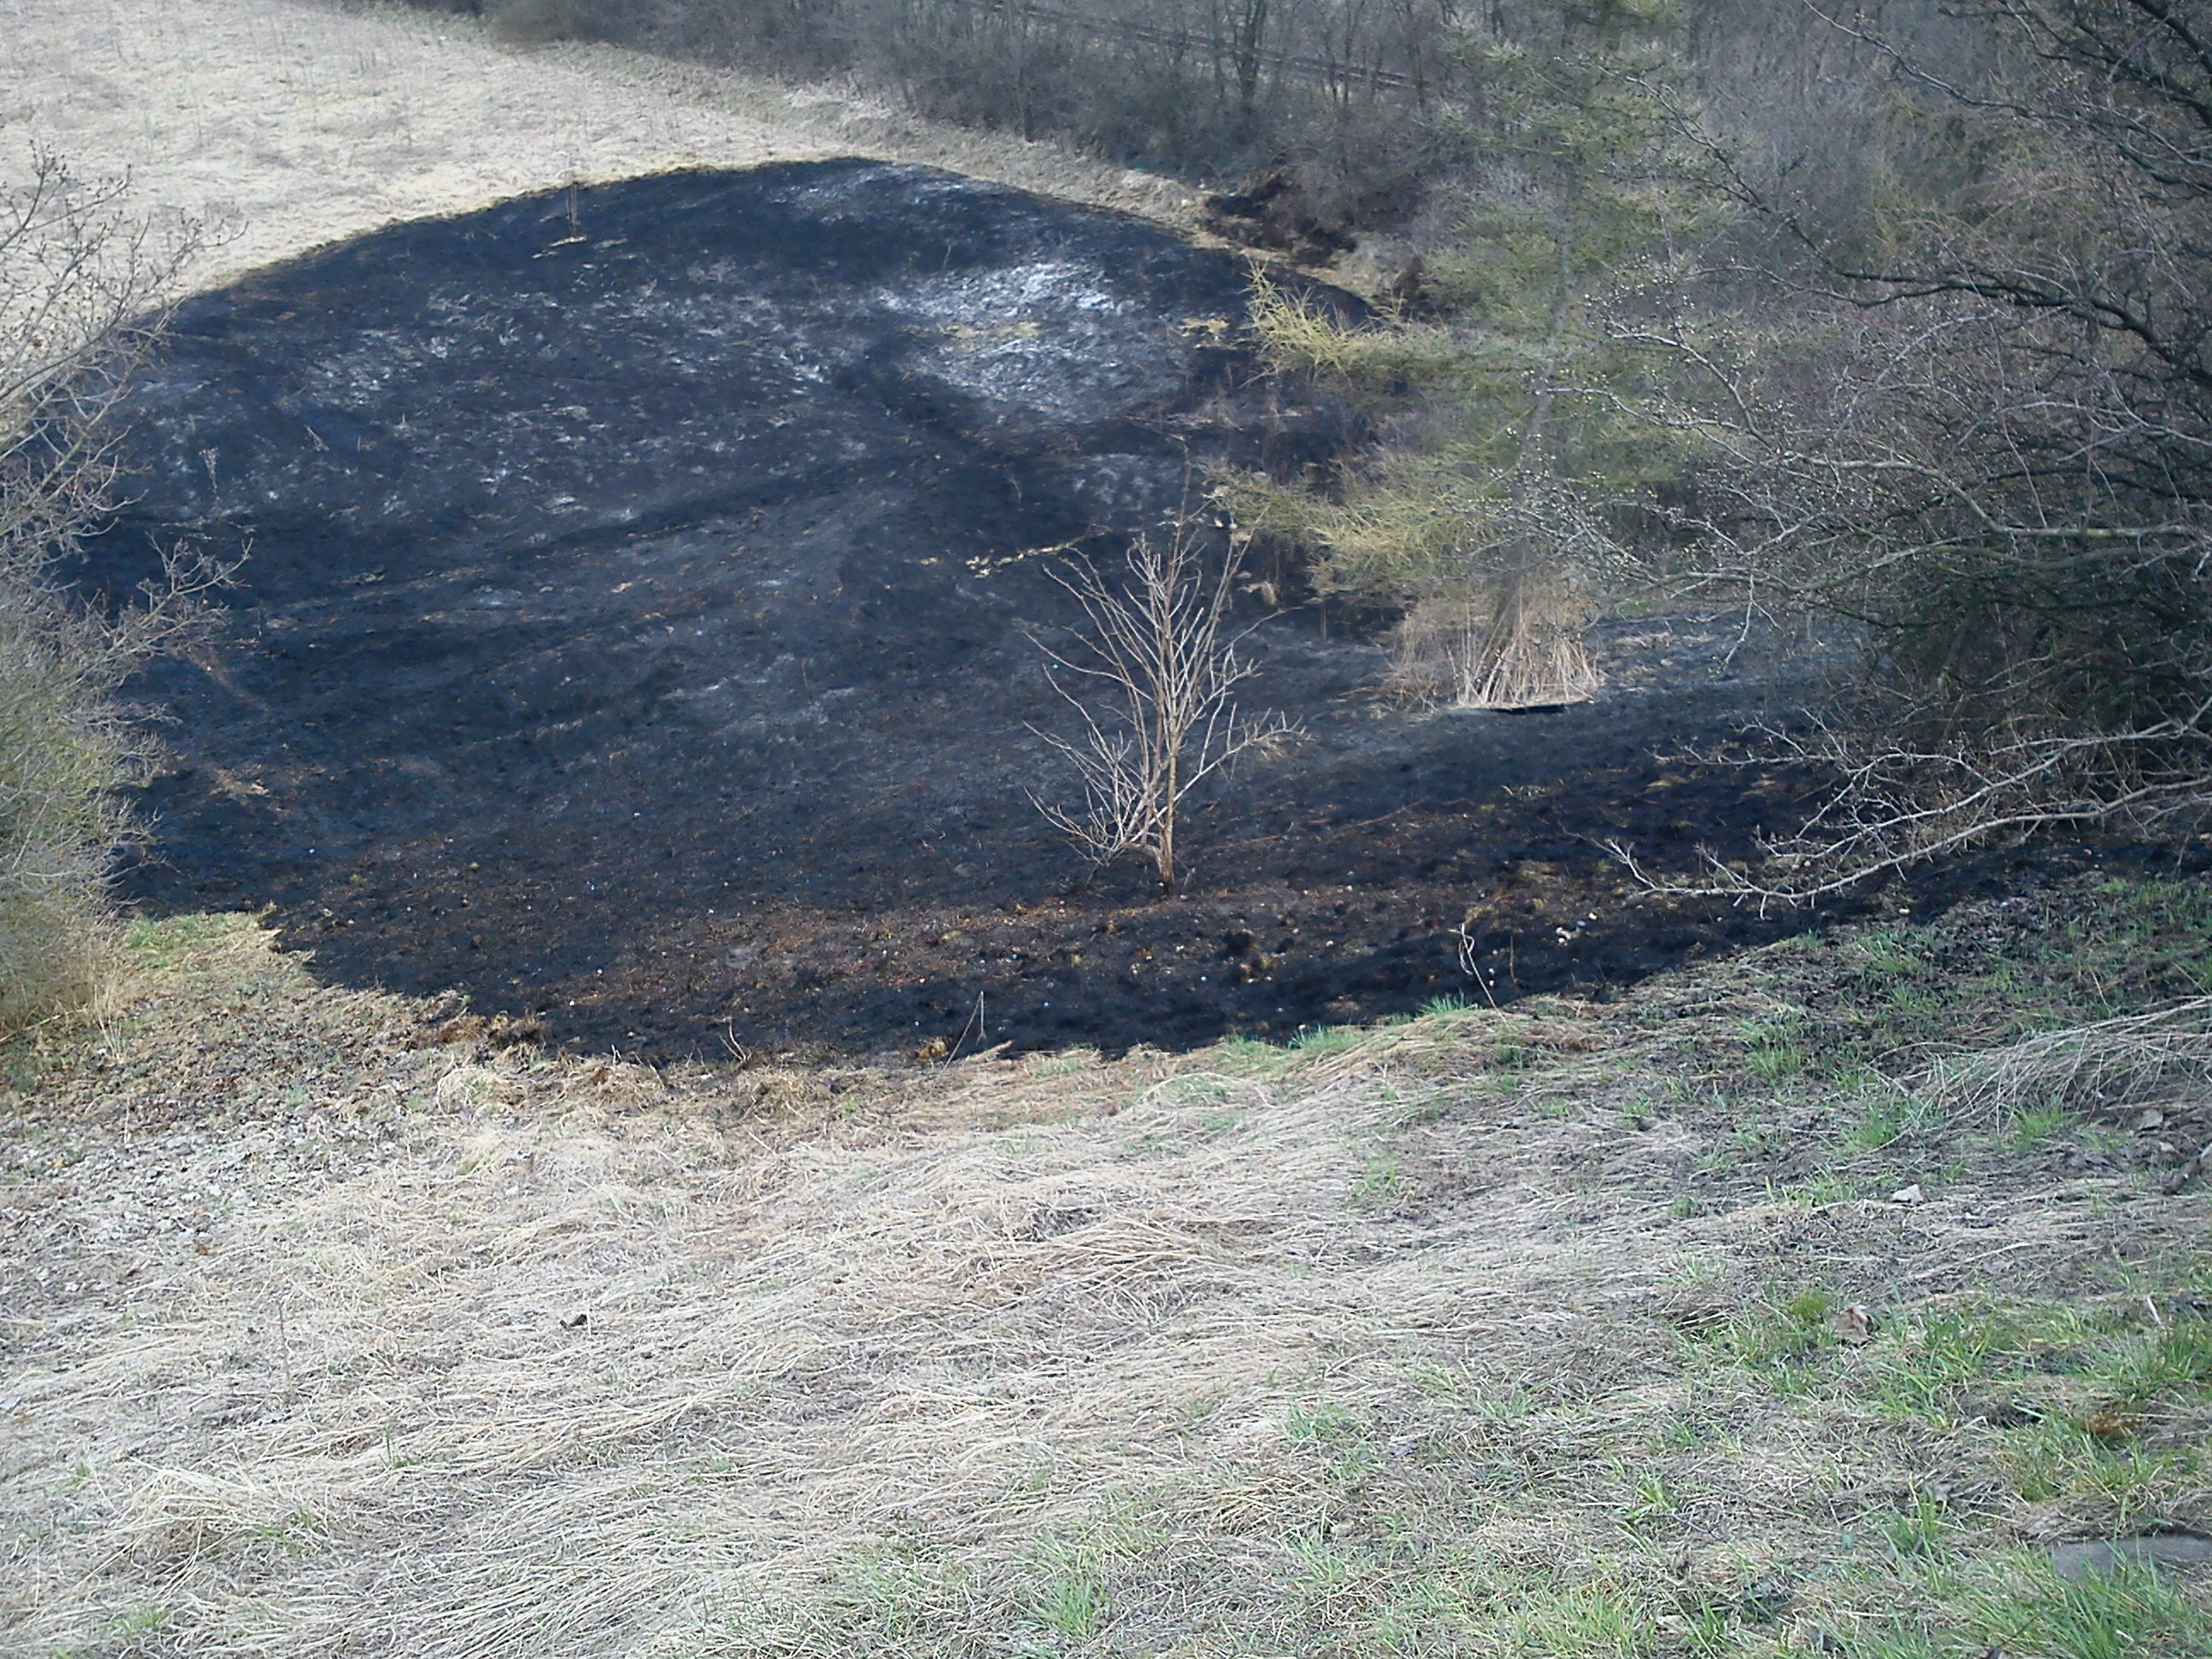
x: 1985, y: 445
x: 539, y: 22
x: 1152, y: 681
x: 80, y: 280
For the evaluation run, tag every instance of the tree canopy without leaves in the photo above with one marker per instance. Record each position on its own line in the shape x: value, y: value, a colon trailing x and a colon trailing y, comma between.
x: 1986, y: 444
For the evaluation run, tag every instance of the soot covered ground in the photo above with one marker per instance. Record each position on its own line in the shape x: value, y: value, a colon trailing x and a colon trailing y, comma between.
x: 635, y: 631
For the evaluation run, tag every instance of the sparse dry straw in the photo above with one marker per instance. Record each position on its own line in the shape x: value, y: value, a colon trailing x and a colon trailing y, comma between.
x: 2109, y: 1063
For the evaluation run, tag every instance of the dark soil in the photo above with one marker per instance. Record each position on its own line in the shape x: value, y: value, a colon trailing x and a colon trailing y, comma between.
x: 637, y: 632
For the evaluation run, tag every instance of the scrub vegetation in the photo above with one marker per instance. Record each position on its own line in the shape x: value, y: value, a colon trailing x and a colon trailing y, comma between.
x: 82, y: 283
x: 1957, y: 417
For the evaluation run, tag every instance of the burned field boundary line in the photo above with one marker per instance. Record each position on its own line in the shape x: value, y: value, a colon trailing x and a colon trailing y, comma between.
x: 651, y: 631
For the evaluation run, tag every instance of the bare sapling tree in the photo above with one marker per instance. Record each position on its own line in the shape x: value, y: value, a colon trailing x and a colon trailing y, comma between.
x: 83, y: 280
x: 1152, y: 678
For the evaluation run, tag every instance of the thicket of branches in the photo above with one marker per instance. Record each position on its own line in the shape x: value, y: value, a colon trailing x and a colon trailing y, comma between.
x: 1986, y: 440
x: 1959, y: 409
x: 81, y: 280
x: 1362, y: 101
x: 1349, y: 94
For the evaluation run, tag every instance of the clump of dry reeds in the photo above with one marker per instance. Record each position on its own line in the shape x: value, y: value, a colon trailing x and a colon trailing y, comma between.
x: 1516, y: 644
x: 2108, y: 1063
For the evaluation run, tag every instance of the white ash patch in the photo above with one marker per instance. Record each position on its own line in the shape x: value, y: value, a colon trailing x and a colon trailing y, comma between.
x: 1045, y: 340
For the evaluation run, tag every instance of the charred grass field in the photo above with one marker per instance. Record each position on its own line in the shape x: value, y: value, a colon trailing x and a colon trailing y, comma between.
x: 642, y: 601
x: 621, y: 1131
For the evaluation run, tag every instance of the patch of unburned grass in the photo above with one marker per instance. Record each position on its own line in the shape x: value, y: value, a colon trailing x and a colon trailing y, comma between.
x: 165, y: 941
x: 1551, y: 1333
x: 2093, y: 1412
x: 1379, y: 1180
x: 1937, y: 1604
x: 1249, y: 1056
x: 1774, y: 1052
x: 1859, y: 1064
x: 1316, y: 1040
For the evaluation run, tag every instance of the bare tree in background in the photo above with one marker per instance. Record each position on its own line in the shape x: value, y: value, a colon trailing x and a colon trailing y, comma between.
x: 82, y: 280
x: 1152, y: 680
x: 1987, y: 449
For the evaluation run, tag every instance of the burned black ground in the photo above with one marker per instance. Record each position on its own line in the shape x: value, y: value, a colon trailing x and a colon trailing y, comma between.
x: 635, y: 630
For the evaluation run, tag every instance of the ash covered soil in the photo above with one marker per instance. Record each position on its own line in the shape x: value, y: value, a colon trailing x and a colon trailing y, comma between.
x: 636, y: 631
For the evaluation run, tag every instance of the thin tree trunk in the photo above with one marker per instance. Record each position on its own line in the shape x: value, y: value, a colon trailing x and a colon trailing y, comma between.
x: 1251, y: 35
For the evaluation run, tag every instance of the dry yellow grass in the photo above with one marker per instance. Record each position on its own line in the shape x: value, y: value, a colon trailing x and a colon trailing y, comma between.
x: 325, y: 1337
x: 325, y: 1327
x: 296, y: 124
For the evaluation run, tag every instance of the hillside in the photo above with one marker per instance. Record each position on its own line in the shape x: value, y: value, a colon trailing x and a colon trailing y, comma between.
x: 1845, y: 1291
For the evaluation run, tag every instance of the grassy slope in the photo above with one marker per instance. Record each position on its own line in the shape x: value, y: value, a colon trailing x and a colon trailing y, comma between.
x: 1523, y: 1333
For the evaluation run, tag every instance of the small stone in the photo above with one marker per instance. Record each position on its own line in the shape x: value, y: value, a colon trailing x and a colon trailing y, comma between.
x: 2171, y: 1552
x: 1912, y: 1195
x: 1853, y: 1324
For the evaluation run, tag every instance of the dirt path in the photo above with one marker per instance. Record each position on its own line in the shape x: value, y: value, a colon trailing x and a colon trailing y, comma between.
x: 297, y: 124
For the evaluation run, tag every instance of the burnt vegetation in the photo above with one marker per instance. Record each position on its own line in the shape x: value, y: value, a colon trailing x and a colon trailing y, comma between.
x: 1779, y: 289
x: 689, y: 683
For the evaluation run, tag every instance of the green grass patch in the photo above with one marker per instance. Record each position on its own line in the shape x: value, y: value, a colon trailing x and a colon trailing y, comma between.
x: 1773, y: 1053
x: 1317, y: 1039
x: 165, y: 942
x: 2012, y: 1603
